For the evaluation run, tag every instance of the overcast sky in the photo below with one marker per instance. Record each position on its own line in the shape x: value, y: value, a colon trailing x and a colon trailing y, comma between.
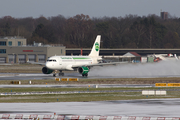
x: 93, y: 8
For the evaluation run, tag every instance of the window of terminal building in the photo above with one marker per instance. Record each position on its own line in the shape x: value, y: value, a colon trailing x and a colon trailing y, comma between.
x: 10, y: 43
x: 2, y: 50
x: 19, y: 43
x: 2, y: 43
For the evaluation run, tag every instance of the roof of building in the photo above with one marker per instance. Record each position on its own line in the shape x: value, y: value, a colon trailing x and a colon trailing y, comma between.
x: 11, y: 37
x: 132, y: 54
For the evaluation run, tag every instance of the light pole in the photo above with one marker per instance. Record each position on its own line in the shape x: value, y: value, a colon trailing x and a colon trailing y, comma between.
x: 13, y: 58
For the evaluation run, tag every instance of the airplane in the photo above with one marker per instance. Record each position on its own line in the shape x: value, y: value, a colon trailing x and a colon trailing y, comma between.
x: 165, y: 57
x: 72, y: 63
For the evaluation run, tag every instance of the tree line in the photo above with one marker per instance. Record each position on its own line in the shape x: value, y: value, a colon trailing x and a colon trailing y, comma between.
x: 80, y: 31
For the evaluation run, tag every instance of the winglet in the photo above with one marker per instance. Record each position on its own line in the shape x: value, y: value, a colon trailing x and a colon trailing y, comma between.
x: 96, y: 47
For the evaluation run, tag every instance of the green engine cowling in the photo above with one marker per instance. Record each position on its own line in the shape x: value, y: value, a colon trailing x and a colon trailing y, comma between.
x: 45, y: 70
x: 83, y: 70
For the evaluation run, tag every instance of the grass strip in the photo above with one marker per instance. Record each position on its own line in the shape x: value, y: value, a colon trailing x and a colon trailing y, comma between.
x: 82, y: 97
x: 57, y: 89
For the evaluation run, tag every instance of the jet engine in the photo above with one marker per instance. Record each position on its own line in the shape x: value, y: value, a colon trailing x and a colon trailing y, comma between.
x: 46, y: 70
x: 83, y: 70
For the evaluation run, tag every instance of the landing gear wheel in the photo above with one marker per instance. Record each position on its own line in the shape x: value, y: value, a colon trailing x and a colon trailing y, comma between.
x: 54, y: 75
x: 85, y: 75
x: 61, y: 74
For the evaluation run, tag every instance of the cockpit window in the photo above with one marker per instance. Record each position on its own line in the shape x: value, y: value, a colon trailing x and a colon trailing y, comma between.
x: 51, y: 60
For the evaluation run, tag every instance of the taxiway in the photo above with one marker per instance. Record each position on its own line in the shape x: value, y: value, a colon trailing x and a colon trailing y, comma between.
x: 151, y: 108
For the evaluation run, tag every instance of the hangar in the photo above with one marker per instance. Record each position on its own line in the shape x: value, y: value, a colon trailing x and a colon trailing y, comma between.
x: 16, y: 50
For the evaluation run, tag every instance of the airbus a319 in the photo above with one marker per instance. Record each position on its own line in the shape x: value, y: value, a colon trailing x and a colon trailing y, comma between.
x: 72, y: 63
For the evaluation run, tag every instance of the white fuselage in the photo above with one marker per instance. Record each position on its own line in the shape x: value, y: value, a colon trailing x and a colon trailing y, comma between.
x: 67, y: 62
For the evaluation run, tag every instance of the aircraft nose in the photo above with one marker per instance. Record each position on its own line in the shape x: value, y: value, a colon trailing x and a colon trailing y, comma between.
x: 48, y: 65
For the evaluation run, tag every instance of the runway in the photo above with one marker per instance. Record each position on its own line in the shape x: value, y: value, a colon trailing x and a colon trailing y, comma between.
x: 148, y: 108
x: 40, y: 76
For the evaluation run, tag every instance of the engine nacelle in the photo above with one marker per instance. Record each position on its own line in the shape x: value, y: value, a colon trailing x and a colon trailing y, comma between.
x: 45, y: 70
x: 83, y: 70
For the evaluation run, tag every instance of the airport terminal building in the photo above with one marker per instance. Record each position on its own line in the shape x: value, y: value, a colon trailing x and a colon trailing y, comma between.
x: 16, y: 50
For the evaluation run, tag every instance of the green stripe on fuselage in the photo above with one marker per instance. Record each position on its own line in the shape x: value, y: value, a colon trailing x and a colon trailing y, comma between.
x: 66, y: 58
x: 75, y: 58
x: 80, y: 58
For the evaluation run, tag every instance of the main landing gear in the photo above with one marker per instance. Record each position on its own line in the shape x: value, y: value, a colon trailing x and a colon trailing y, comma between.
x: 85, y: 75
x: 60, y: 73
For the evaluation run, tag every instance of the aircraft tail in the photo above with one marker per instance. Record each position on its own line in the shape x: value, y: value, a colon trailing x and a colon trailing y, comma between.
x: 96, y: 47
x: 176, y: 57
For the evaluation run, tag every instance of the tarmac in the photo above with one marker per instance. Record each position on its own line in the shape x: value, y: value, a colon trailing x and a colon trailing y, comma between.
x: 148, y: 108
x: 151, y: 108
x: 40, y: 76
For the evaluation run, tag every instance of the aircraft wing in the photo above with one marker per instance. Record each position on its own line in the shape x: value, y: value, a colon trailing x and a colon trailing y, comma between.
x: 98, y: 64
x: 36, y: 63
